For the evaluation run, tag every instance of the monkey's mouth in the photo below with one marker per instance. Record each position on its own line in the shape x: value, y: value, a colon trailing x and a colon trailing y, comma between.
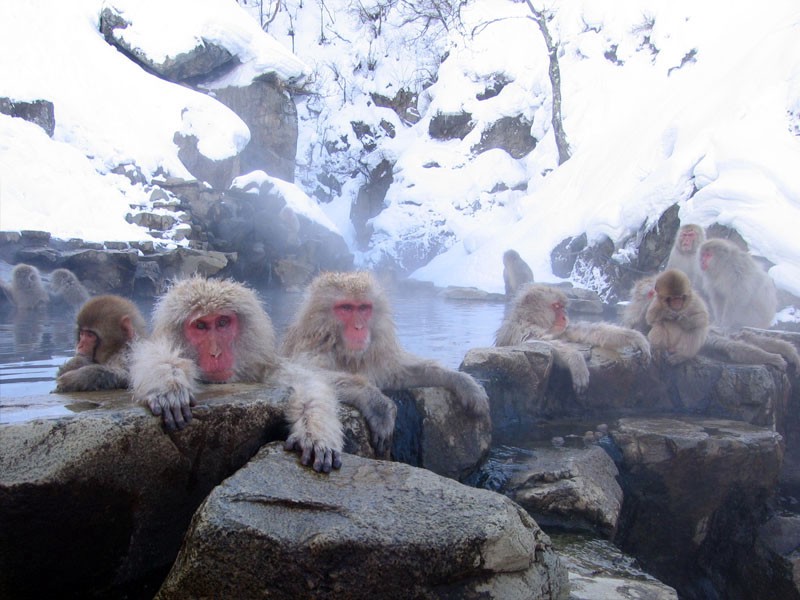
x: 220, y: 376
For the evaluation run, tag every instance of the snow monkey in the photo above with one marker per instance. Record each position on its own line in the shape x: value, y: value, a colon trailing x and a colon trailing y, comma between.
x: 106, y: 327
x: 539, y: 312
x: 26, y: 291
x: 66, y: 287
x: 516, y: 272
x: 345, y: 326
x: 216, y: 331
x: 739, y: 291
x: 748, y: 347
x: 684, y: 255
x: 677, y: 317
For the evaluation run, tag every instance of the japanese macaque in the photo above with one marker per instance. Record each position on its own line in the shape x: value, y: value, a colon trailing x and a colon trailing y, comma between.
x: 345, y: 326
x: 107, y: 325
x: 739, y: 291
x: 26, y: 290
x: 635, y: 314
x: 216, y: 331
x: 516, y: 272
x: 677, y: 317
x: 684, y: 255
x: 539, y: 312
x: 65, y: 287
x: 746, y: 347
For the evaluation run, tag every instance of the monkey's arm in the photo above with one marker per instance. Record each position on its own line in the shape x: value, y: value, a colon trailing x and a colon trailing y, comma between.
x: 315, y: 427
x: 379, y: 411
x: 742, y: 352
x: 164, y: 381
x: 416, y: 372
x: 572, y: 359
x: 770, y: 344
x: 607, y: 336
x: 76, y: 362
x: 91, y: 377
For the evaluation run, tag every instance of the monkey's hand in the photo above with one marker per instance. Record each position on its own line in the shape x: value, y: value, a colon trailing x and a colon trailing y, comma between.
x: 471, y: 394
x: 321, y: 458
x: 163, y: 381
x: 380, y: 414
x: 776, y: 360
x: 76, y: 362
x: 640, y: 343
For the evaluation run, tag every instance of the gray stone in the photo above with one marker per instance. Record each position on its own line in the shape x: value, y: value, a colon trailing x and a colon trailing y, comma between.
x: 373, y: 529
x: 39, y: 112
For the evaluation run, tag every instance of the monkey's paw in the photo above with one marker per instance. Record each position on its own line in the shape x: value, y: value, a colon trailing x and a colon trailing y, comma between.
x: 173, y: 407
x: 321, y: 458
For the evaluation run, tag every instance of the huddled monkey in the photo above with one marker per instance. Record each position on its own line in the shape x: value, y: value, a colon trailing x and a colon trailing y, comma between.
x: 215, y: 331
x: 677, y: 318
x: 106, y: 327
x: 516, y: 272
x: 684, y: 255
x: 539, y: 312
x: 26, y: 290
x: 740, y: 293
x: 745, y: 347
x: 65, y: 287
x: 345, y: 326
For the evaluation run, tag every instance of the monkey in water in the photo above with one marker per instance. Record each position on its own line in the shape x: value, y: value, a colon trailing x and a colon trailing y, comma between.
x: 106, y: 327
x: 345, y: 326
x: 539, y: 312
x: 216, y: 331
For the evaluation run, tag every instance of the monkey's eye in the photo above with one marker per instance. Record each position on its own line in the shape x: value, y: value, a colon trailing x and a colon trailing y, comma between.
x: 224, y: 321
x: 200, y: 325
x: 365, y: 308
x: 345, y: 307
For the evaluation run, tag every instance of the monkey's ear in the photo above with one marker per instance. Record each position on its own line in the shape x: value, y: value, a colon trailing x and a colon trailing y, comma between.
x: 127, y: 327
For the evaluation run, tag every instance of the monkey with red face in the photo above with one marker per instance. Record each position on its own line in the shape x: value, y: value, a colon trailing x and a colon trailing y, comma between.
x: 345, y: 326
x: 216, y: 331
x: 107, y: 325
x: 539, y: 312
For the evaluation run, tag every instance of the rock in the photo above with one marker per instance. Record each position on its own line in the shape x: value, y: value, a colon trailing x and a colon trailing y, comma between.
x: 370, y: 200
x: 103, y: 271
x: 778, y: 542
x: 569, y: 489
x: 470, y: 293
x: 270, y: 114
x: 450, y: 126
x: 217, y: 173
x: 38, y: 112
x: 373, y: 529
x: 563, y: 256
x: 512, y: 134
x: 695, y: 495
x: 599, y: 571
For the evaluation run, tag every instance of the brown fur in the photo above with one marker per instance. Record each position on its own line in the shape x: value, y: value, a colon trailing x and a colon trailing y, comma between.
x: 516, y: 272
x: 165, y: 375
x: 67, y: 288
x: 532, y: 318
x: 116, y: 322
x: 26, y: 290
x: 678, y: 332
x: 739, y: 291
x: 315, y: 335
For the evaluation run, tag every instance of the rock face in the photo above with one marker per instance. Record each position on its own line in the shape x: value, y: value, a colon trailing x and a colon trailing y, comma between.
x: 695, y: 496
x: 120, y: 492
x: 370, y: 530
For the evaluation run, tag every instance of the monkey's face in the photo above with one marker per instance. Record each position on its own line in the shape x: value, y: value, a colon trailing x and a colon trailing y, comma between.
x: 706, y: 258
x: 354, y: 317
x: 688, y: 240
x: 213, y: 337
x: 560, y: 320
x: 675, y: 303
x: 88, y: 341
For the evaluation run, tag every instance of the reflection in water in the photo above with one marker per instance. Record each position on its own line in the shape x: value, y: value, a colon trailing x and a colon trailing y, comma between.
x: 33, y: 346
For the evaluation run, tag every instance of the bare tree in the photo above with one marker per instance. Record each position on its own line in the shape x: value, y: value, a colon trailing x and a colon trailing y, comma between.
x: 542, y: 17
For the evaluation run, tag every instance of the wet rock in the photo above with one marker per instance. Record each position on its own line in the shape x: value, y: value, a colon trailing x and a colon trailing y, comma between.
x: 599, y: 571
x: 778, y: 543
x: 370, y: 530
x: 569, y: 489
x: 470, y: 293
x: 696, y: 491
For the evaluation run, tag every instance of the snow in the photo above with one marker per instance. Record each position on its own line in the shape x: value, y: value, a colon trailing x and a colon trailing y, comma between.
x: 702, y: 96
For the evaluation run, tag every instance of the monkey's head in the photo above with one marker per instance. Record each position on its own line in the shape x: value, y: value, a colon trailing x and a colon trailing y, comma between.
x: 673, y: 289
x: 715, y: 251
x: 105, y: 325
x: 543, y: 306
x: 220, y: 324
x: 26, y: 276
x: 689, y: 238
x: 510, y: 257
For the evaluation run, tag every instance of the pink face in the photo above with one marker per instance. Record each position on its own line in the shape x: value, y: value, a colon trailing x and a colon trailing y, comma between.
x: 688, y: 239
x: 705, y: 259
x: 214, y: 338
x: 675, y: 302
x: 355, y: 317
x: 560, y: 321
x: 87, y: 343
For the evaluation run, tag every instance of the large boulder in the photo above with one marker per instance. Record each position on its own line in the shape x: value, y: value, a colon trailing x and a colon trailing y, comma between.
x: 373, y: 529
x: 696, y: 493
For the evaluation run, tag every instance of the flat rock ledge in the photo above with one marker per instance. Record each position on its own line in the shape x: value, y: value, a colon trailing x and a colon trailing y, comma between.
x: 373, y: 529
